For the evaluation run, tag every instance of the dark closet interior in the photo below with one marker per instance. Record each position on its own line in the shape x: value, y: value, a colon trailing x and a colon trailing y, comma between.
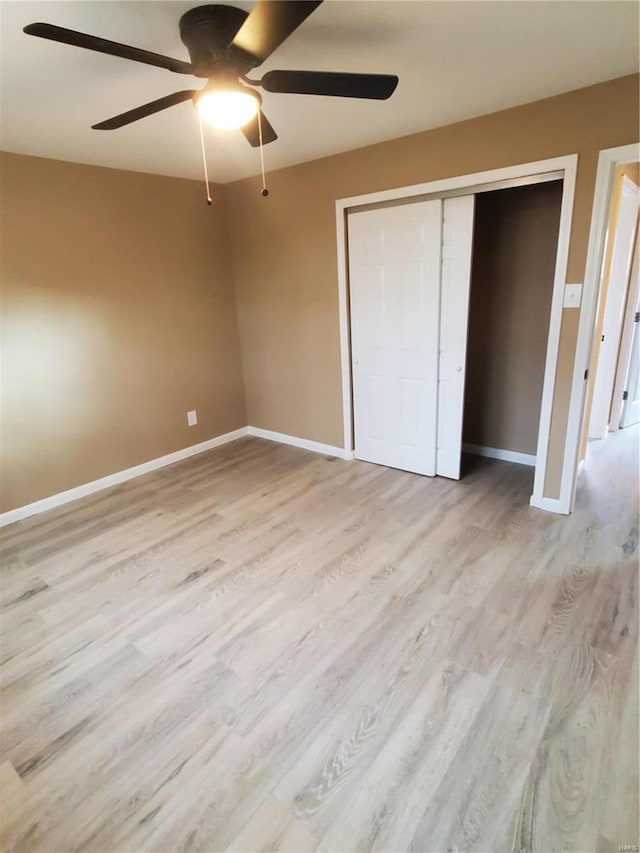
x: 514, y: 257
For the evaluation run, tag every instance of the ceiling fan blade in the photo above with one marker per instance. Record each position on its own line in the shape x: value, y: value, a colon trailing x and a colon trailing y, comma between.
x: 375, y: 86
x: 114, y: 48
x: 145, y: 110
x: 268, y: 25
x: 251, y: 131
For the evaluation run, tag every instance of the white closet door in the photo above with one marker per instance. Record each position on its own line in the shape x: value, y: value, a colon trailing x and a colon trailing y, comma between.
x: 621, y: 257
x: 625, y: 408
x: 631, y: 405
x: 457, y: 243
x: 394, y: 270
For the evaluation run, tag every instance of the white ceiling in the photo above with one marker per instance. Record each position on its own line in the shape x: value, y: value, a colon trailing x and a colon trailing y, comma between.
x: 455, y: 59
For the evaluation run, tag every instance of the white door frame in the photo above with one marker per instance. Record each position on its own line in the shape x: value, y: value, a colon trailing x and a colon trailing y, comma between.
x: 608, y: 160
x: 606, y: 369
x: 469, y: 184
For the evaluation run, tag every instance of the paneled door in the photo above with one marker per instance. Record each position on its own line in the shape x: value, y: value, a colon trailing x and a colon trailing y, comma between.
x: 409, y: 271
x: 627, y: 387
x: 619, y: 272
x: 394, y: 277
x: 455, y: 286
x: 631, y: 405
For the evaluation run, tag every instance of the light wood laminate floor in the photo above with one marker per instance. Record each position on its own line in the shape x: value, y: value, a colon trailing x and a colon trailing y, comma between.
x: 264, y: 649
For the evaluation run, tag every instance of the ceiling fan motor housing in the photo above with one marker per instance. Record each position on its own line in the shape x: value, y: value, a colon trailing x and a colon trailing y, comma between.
x: 207, y: 32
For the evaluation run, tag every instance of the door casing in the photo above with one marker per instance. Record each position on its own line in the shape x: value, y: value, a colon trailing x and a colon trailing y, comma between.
x: 619, y: 275
x: 608, y: 160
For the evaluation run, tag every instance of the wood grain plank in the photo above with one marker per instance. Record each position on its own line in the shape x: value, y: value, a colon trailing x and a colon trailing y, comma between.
x: 261, y: 648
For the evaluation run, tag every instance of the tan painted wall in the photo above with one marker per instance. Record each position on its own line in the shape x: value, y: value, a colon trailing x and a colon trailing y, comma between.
x: 514, y: 257
x: 118, y: 310
x: 284, y: 247
x: 118, y: 316
x: 631, y: 171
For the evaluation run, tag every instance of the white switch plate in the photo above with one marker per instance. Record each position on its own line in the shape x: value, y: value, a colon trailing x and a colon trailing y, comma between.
x: 192, y: 418
x: 572, y: 296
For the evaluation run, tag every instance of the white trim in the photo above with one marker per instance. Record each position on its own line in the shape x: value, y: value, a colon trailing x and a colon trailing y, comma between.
x: 345, y: 327
x: 119, y: 477
x: 470, y: 184
x: 94, y: 486
x: 607, y: 162
x: 498, y: 453
x: 549, y: 505
x: 609, y: 356
x: 304, y: 443
x: 555, y: 325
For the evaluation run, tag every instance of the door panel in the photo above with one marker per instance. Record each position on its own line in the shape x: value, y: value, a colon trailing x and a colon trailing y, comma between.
x: 631, y: 406
x: 620, y: 267
x: 457, y: 244
x: 376, y: 391
x: 627, y: 412
x: 394, y: 270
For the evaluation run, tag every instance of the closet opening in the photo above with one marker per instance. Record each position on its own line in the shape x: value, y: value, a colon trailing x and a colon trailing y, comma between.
x: 512, y: 279
x: 427, y: 377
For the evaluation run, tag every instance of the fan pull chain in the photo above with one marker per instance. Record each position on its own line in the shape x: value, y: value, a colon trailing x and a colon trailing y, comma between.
x: 204, y: 162
x: 265, y: 191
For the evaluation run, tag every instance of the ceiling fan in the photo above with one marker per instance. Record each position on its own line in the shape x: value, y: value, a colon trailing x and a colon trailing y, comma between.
x: 225, y: 44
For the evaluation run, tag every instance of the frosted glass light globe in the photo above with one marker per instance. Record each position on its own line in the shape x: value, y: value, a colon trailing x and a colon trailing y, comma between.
x: 227, y: 110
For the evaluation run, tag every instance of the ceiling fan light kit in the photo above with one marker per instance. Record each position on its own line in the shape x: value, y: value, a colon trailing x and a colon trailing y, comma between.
x: 225, y: 44
x: 227, y: 107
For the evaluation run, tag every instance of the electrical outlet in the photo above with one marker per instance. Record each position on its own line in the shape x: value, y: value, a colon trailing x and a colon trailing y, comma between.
x: 192, y: 418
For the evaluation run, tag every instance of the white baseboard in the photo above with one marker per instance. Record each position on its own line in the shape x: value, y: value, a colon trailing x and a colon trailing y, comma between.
x: 94, y: 486
x: 549, y: 504
x: 504, y: 455
x: 119, y: 477
x: 304, y: 443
